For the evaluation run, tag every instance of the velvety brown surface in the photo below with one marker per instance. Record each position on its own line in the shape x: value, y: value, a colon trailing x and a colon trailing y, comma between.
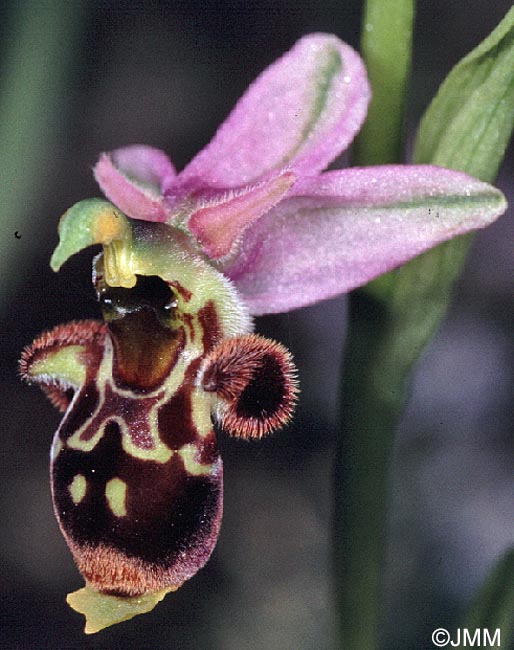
x: 166, y: 73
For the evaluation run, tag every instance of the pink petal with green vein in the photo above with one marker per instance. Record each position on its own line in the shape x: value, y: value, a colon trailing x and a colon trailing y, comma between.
x: 133, y: 178
x: 301, y: 112
x: 345, y: 228
x: 218, y: 226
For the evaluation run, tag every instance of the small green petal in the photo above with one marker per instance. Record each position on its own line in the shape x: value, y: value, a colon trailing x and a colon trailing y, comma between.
x: 102, y: 610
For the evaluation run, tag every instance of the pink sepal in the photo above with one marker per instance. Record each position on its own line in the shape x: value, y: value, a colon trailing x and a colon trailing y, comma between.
x: 340, y: 230
x: 301, y: 112
x: 134, y: 179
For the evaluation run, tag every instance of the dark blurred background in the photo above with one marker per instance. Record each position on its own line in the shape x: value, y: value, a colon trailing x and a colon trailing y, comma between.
x: 166, y: 74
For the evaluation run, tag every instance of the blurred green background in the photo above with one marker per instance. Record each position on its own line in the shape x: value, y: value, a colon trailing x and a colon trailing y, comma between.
x: 78, y: 78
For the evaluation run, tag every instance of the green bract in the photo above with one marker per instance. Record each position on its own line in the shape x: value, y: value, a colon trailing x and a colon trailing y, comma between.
x: 469, y: 123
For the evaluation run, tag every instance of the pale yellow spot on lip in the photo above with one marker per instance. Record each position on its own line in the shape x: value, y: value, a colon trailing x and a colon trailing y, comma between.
x: 191, y: 465
x: 116, y: 493
x: 201, y: 406
x: 159, y: 453
x: 78, y: 488
x: 75, y: 442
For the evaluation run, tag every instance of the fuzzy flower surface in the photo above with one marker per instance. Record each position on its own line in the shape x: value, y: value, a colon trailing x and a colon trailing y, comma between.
x: 252, y: 225
x: 256, y: 202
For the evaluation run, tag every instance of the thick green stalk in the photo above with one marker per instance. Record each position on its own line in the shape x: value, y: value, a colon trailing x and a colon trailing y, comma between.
x: 385, y: 338
x: 467, y: 127
x: 386, y: 46
x: 371, y: 393
x: 369, y: 403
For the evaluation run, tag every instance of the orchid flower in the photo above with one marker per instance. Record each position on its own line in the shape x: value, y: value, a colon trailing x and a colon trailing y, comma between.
x: 253, y: 225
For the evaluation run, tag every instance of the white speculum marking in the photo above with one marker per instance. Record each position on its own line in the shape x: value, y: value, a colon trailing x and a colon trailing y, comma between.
x: 78, y: 488
x: 191, y: 465
x: 116, y: 493
x: 116, y: 488
x: 160, y: 452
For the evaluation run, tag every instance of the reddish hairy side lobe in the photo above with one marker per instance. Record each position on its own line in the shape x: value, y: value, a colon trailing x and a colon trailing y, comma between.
x: 256, y: 378
x: 88, y: 333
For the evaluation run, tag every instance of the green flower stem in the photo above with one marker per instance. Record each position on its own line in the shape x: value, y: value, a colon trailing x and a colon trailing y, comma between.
x: 386, y: 45
x: 386, y: 335
x: 372, y: 387
x: 41, y: 39
x: 393, y: 319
